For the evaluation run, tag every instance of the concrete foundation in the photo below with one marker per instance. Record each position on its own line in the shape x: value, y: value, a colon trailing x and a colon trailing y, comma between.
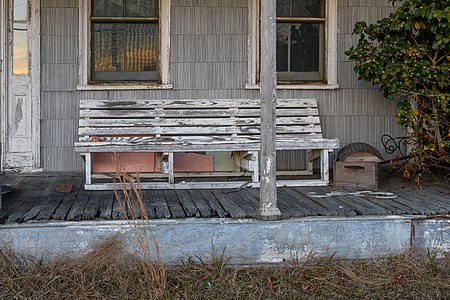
x: 245, y: 241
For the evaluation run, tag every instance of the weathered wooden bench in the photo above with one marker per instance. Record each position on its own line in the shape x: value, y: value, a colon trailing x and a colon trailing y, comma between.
x: 169, y: 126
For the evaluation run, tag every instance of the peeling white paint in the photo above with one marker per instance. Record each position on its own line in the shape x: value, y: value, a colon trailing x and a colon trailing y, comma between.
x: 18, y: 116
x: 268, y: 164
x: 439, y: 238
x: 269, y: 253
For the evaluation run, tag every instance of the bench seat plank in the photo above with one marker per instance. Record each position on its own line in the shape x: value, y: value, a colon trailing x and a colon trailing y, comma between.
x: 186, y: 144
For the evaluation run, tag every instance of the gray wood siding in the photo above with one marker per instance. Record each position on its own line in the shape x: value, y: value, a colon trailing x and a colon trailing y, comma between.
x: 208, y: 60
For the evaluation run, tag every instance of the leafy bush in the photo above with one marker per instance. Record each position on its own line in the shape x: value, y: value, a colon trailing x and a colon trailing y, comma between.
x: 407, y: 55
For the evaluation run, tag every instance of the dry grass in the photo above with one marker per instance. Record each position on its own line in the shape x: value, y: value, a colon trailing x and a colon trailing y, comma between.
x: 110, y: 272
x: 106, y: 272
x: 129, y: 195
x: 392, y: 278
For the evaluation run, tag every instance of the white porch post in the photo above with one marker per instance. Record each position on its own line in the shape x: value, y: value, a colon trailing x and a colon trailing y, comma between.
x: 268, y: 191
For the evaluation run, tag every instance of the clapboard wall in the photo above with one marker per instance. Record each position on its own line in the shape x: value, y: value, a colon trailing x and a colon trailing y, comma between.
x: 208, y: 60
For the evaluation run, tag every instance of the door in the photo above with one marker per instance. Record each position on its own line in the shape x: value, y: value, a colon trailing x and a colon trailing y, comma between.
x: 20, y: 105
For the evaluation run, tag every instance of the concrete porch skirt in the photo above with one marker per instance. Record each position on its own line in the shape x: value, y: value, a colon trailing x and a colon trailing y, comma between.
x: 246, y: 241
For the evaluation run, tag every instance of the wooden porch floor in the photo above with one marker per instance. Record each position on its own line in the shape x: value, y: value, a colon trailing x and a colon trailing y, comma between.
x: 35, y: 199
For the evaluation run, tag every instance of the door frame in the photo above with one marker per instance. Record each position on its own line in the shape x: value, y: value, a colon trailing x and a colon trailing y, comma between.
x: 3, y: 71
x: 34, y: 73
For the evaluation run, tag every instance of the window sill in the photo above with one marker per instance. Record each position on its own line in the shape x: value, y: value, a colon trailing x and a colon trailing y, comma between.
x: 297, y: 87
x: 111, y: 87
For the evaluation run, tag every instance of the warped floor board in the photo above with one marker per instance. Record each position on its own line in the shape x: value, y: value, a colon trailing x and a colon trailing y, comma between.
x: 35, y: 199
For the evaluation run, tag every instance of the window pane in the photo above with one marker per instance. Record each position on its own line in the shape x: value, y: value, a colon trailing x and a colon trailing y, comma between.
x: 308, y: 8
x: 20, y: 10
x: 305, y: 47
x: 301, y: 8
x: 107, y: 47
x: 20, y: 49
x: 282, y: 47
x: 124, y: 47
x: 107, y: 8
x: 141, y: 47
x: 124, y: 8
x: 141, y: 8
x: 283, y: 8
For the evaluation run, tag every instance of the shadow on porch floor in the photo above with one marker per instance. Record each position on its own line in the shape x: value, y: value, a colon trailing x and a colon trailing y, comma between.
x: 35, y: 199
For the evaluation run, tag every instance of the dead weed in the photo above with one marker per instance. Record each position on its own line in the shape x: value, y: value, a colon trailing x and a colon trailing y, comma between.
x: 110, y: 272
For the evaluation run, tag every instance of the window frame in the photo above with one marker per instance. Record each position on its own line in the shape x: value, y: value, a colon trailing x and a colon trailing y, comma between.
x: 84, y: 45
x: 329, y: 57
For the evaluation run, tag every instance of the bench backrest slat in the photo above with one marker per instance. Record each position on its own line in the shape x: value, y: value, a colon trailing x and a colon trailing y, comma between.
x: 193, y: 113
x: 172, y: 122
x: 191, y: 103
x: 172, y: 118
x: 200, y: 130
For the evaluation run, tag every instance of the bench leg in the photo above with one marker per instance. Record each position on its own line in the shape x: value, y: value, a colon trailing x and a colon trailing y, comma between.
x: 88, y: 161
x: 324, y: 165
x: 311, y: 156
x: 170, y: 168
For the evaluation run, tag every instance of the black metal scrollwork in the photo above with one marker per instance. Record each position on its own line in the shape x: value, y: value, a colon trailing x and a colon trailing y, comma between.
x: 392, y: 144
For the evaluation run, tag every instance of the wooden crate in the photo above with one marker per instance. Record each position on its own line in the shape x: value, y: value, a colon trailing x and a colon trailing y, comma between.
x: 356, y: 167
x: 356, y: 175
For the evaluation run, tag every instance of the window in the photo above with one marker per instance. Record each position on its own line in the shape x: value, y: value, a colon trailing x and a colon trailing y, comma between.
x: 300, y: 40
x: 305, y: 43
x: 122, y: 42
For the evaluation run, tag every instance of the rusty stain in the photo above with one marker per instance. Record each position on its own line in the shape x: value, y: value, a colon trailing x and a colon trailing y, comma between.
x: 98, y: 139
x: 64, y: 188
